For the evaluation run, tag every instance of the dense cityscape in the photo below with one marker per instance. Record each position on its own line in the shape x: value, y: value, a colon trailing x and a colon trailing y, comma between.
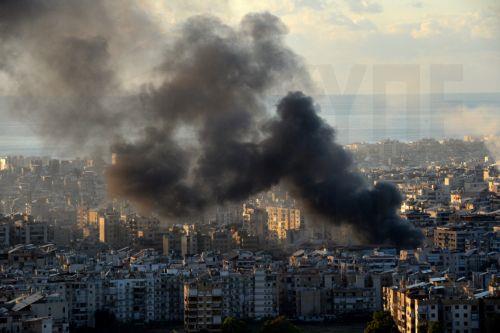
x: 234, y: 166
x: 73, y: 258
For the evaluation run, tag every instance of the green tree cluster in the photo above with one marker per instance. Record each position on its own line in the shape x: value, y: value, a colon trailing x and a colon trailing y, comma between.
x: 274, y: 325
x: 233, y: 325
x: 279, y: 325
x: 435, y: 327
x: 381, y: 322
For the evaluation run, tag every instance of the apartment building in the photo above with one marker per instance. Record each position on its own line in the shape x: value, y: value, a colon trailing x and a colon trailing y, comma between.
x: 281, y: 220
x: 203, y: 304
x: 265, y: 293
x: 414, y: 307
x: 452, y: 238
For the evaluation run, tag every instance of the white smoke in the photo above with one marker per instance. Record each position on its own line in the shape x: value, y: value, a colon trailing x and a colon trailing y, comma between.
x: 481, y: 122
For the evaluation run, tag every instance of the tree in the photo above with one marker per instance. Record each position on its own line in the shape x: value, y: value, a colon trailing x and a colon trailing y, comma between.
x: 492, y: 323
x: 279, y: 325
x: 381, y: 323
x: 233, y: 325
x: 105, y: 321
x: 435, y: 327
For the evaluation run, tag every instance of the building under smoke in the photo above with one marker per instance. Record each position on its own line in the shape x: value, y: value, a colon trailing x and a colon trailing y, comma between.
x: 214, y: 81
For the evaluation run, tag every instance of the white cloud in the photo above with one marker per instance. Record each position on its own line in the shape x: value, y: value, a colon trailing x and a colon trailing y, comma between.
x: 473, y: 25
x: 478, y: 121
x: 352, y: 23
x: 428, y: 28
x: 364, y: 6
x: 418, y: 4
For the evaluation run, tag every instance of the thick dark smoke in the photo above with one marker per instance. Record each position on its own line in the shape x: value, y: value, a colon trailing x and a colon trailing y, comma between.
x: 217, y: 78
x: 300, y: 149
x: 202, y: 136
x: 59, y: 56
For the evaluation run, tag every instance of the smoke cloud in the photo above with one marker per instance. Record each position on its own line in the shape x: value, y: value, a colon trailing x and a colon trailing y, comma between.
x: 480, y: 122
x: 203, y: 135
x: 63, y: 59
x: 321, y: 172
x: 217, y: 80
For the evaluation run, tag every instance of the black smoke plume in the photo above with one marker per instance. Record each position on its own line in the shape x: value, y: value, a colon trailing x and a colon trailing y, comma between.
x: 203, y: 135
x: 216, y: 84
x: 300, y: 149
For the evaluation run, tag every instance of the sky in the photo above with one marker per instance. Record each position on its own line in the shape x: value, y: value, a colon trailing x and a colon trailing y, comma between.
x: 344, y: 42
x: 352, y: 47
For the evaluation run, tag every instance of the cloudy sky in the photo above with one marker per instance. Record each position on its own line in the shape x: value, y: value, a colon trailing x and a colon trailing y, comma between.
x: 351, y: 47
x: 335, y: 35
